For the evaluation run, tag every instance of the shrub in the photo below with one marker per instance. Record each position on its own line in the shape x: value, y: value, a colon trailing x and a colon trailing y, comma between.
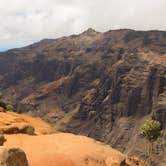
x: 2, y: 103
x: 9, y: 107
x: 151, y: 130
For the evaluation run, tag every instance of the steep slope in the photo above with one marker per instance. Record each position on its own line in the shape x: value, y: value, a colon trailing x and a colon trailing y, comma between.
x: 102, y: 85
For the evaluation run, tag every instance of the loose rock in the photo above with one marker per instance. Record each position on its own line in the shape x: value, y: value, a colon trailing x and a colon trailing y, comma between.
x: 12, y: 157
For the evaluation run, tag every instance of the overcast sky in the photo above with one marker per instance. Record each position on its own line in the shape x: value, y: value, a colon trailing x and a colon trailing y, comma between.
x: 27, y: 21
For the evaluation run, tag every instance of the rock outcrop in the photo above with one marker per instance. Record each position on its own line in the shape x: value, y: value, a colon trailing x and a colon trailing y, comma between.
x: 54, y: 149
x: 102, y: 85
x: 63, y: 149
x: 13, y: 123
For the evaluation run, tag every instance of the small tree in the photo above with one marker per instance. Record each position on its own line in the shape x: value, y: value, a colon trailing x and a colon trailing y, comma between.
x: 151, y: 131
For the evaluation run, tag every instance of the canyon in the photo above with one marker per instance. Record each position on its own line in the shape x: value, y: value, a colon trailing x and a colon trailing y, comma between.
x: 100, y: 85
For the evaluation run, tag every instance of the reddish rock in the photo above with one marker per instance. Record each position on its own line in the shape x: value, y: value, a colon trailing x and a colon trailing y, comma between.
x: 2, y: 109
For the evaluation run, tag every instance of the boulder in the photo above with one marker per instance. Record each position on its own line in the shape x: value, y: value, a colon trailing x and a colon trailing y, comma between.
x: 19, y: 128
x: 10, y: 129
x: 2, y: 139
x: 2, y: 109
x: 27, y: 129
x: 12, y: 157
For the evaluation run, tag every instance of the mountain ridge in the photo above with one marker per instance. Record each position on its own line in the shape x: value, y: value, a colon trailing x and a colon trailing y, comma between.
x: 102, y: 85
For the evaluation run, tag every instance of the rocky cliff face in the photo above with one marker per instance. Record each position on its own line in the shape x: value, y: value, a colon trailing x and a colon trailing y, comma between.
x: 102, y: 85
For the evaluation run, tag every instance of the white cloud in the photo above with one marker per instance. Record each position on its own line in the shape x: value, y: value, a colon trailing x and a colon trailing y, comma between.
x: 24, y: 21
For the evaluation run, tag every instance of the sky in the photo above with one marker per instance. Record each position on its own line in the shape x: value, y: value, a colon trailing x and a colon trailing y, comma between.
x: 27, y: 21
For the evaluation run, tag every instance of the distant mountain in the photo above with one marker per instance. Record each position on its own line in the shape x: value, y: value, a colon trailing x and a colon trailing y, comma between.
x: 102, y: 85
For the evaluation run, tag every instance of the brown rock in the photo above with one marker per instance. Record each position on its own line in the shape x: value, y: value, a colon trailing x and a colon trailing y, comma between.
x: 12, y: 157
x: 2, y: 109
x: 19, y: 128
x: 27, y: 129
x: 2, y: 139
x: 11, y: 130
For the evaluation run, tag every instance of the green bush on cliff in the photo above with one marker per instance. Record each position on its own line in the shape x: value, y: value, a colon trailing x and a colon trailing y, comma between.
x: 2, y: 103
x: 151, y: 131
x: 5, y: 105
x: 9, y: 107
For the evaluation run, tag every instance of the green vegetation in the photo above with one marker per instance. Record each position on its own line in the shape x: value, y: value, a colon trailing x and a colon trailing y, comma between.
x: 151, y: 131
x: 9, y: 107
x: 5, y: 105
